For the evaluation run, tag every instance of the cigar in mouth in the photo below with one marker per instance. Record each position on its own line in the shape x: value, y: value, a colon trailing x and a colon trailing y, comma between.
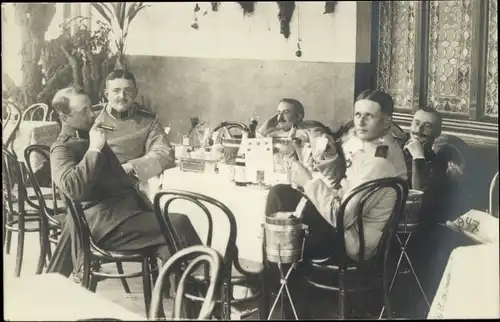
x: 107, y: 127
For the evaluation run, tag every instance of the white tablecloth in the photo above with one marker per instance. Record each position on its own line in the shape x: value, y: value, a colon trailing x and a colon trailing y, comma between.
x: 32, y: 132
x: 246, y: 203
x: 53, y: 297
x: 469, y: 288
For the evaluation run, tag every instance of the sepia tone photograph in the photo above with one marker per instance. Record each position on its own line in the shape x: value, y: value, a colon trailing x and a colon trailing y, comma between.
x: 251, y: 160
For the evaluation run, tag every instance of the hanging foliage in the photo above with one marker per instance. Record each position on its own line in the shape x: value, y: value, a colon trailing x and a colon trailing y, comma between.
x: 247, y: 6
x: 82, y: 59
x: 196, y: 8
x: 330, y: 6
x: 119, y: 16
x: 286, y: 9
x: 215, y: 6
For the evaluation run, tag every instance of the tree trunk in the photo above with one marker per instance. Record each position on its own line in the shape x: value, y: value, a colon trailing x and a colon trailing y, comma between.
x: 34, y: 20
x: 32, y: 73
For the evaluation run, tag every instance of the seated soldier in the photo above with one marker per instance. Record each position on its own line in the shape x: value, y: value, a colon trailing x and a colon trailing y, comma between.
x: 139, y: 142
x: 436, y: 166
x: 86, y: 170
x: 288, y: 122
x: 371, y: 153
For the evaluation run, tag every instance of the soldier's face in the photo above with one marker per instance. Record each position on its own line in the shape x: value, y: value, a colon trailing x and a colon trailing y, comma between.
x: 81, y: 116
x: 121, y: 93
x: 287, y: 116
x: 423, y: 127
x: 369, y: 121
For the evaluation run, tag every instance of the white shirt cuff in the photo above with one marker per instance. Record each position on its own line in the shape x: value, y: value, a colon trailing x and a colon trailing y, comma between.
x: 94, y: 149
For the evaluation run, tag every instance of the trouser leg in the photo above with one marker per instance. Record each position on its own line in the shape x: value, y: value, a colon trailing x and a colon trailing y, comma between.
x: 61, y: 261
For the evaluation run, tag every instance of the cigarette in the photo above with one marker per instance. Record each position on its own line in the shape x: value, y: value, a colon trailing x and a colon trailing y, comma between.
x: 107, y: 127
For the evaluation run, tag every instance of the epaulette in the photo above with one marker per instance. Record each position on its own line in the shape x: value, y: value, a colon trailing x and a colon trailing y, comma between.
x: 382, y: 151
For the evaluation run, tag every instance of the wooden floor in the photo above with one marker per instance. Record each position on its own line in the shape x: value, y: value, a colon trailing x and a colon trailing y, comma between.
x: 324, y: 307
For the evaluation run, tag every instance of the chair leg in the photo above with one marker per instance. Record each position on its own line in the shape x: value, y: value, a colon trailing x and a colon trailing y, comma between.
x: 386, y: 290
x: 264, y: 298
x: 154, y: 271
x: 146, y: 283
x: 20, y: 246
x: 119, y: 268
x: 341, y: 295
x: 93, y: 283
x: 8, y: 234
x: 44, y: 245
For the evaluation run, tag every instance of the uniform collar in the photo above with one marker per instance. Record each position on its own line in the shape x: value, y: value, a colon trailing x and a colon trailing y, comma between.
x: 354, y: 144
x: 120, y: 115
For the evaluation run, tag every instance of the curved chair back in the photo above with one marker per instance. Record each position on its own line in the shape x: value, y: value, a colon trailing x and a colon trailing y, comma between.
x: 454, y: 150
x: 14, y: 190
x: 198, y: 199
x: 13, y: 113
x: 204, y: 254
x: 494, y: 196
x: 368, y: 189
x: 44, y: 153
x: 36, y: 112
x: 83, y: 229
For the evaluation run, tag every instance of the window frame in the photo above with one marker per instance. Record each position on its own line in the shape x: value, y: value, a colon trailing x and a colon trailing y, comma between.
x: 475, y: 128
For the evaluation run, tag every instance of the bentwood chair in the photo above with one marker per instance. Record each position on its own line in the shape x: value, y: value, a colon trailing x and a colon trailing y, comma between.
x: 183, y: 257
x: 12, y: 113
x: 94, y: 256
x: 50, y: 224
x: 18, y: 209
x: 233, y: 273
x: 51, y: 216
x: 364, y: 274
x: 36, y: 112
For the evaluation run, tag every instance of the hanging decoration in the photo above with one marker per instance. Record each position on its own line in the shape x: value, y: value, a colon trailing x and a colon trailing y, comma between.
x: 298, y: 53
x: 286, y: 9
x: 247, y: 6
x: 215, y: 6
x: 330, y: 6
x: 195, y: 15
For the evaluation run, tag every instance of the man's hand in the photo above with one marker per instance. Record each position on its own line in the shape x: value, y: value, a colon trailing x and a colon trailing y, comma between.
x: 97, y: 138
x: 299, y: 173
x: 128, y: 168
x: 415, y: 148
x: 269, y: 125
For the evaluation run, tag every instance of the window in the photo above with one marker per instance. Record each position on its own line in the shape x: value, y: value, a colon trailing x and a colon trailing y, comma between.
x: 443, y: 54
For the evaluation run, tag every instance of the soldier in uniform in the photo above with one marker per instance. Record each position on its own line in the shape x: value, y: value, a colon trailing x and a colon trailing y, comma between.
x: 85, y: 169
x: 288, y: 122
x: 139, y: 142
x: 371, y: 153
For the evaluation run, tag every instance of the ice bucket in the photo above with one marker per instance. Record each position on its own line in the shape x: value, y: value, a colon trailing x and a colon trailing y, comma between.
x: 412, y: 209
x: 284, y: 238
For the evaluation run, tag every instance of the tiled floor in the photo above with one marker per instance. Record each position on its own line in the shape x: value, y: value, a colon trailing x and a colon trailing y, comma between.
x: 324, y: 304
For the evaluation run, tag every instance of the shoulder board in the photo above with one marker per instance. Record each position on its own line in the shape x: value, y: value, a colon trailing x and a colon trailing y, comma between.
x: 62, y: 138
x: 382, y: 151
x: 142, y: 111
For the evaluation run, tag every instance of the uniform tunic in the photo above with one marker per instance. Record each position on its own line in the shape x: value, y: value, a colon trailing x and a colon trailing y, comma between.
x: 120, y: 217
x: 139, y: 139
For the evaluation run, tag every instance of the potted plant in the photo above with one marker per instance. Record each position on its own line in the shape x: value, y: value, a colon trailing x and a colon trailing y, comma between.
x: 118, y: 16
